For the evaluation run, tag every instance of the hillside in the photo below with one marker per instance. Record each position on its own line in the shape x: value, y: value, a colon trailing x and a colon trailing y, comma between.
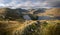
x: 21, y: 26
x: 7, y: 13
x: 13, y: 14
x: 53, y: 11
x: 33, y: 14
x: 43, y: 27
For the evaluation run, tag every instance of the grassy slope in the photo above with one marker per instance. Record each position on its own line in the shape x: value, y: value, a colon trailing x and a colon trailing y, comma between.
x: 53, y: 11
x: 51, y: 27
x: 8, y: 27
x: 44, y: 28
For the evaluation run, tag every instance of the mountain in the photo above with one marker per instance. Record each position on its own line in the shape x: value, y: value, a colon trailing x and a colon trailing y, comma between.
x: 22, y: 11
x: 12, y: 13
x: 53, y: 11
x: 18, y: 13
x: 37, y: 11
x: 40, y: 10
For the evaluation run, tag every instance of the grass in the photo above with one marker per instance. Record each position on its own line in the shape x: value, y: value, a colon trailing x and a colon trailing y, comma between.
x: 52, y: 28
x: 47, y: 27
x: 33, y: 29
x: 8, y: 27
x: 43, y: 28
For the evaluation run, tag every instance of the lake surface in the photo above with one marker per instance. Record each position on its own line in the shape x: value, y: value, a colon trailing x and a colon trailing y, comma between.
x: 27, y: 17
x: 48, y: 18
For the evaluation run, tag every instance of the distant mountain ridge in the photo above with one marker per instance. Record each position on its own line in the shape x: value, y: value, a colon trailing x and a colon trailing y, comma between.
x: 11, y: 13
x: 32, y: 13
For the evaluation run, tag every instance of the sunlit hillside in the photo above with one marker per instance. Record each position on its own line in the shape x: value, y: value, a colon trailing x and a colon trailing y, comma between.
x: 53, y: 11
x: 43, y: 27
x: 18, y: 22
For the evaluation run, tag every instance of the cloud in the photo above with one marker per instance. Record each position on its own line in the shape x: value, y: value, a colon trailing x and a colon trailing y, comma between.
x: 29, y: 3
x: 53, y: 3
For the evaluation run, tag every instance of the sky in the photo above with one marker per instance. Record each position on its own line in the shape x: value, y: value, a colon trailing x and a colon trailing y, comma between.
x: 29, y: 3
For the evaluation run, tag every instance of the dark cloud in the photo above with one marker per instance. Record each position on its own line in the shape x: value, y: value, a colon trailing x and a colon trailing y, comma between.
x: 53, y: 3
x: 29, y: 3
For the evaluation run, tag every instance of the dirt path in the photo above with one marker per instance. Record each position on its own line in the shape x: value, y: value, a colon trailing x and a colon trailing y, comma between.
x: 23, y: 26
